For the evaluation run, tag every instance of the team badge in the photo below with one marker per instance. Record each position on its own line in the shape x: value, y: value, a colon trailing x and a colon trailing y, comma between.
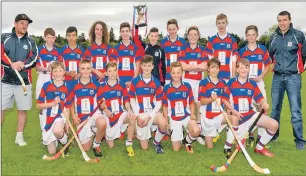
x: 118, y: 93
x: 184, y: 94
x: 131, y: 52
x: 289, y: 44
x: 91, y: 92
x: 260, y: 57
x: 178, y: 48
x: 25, y: 46
x: 104, y: 52
x: 63, y: 96
x: 156, y: 54
x: 228, y: 45
x: 54, y: 58
x: 78, y: 56
x: 152, y: 90
x: 199, y: 55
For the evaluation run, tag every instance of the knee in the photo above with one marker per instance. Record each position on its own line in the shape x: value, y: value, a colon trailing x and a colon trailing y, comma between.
x: 86, y: 148
x: 111, y: 144
x: 274, y: 125
x: 132, y: 122
x: 58, y: 132
x: 195, y: 132
x: 162, y: 124
x: 101, y: 123
x: 176, y: 148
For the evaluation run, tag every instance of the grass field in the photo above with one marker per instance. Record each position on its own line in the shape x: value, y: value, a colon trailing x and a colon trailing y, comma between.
x: 28, y: 160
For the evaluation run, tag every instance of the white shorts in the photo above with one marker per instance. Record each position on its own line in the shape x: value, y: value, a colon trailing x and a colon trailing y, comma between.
x: 177, y: 128
x: 113, y: 133
x: 89, y: 129
x: 145, y: 132
x: 195, y: 87
x: 243, y: 128
x: 210, y: 127
x: 41, y: 80
x: 48, y: 136
x: 10, y: 92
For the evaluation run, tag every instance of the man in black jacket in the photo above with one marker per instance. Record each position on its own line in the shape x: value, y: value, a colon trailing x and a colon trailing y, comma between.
x: 288, y: 52
x: 19, y: 52
x: 154, y: 50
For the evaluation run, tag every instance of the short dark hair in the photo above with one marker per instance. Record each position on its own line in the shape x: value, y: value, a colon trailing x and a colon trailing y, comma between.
x: 147, y: 59
x: 125, y: 24
x: 284, y: 13
x: 251, y: 27
x: 49, y: 31
x: 213, y: 61
x: 71, y: 29
x: 153, y: 29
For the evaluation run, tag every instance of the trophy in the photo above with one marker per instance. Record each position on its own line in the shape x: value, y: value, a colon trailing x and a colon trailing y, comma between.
x: 142, y: 14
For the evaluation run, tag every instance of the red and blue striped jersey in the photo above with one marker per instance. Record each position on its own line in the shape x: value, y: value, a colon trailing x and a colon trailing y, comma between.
x: 99, y: 56
x: 126, y: 58
x: 115, y: 96
x: 172, y: 51
x: 206, y: 87
x: 46, y: 57
x: 84, y: 97
x: 46, y: 96
x: 193, y: 57
x: 259, y: 58
x: 242, y: 95
x: 146, y: 93
x: 223, y: 49
x: 178, y: 99
x: 71, y: 58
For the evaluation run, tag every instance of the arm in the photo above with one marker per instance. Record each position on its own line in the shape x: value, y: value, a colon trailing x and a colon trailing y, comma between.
x: 30, y: 62
x: 137, y: 69
x: 192, y: 111
x: 165, y: 112
x: 303, y: 42
x: 134, y: 106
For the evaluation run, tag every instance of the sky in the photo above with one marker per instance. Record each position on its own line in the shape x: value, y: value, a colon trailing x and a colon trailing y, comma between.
x: 60, y: 15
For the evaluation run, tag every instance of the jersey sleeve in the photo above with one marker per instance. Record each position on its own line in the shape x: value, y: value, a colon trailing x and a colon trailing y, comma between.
x: 42, y: 94
x: 204, y: 56
x: 190, y: 95
x: 202, y: 91
x: 139, y: 53
x: 257, y: 93
x: 113, y: 54
x: 266, y: 58
x: 227, y: 91
x: 87, y: 54
x: 182, y: 54
x: 209, y: 48
x: 165, y: 97
x: 132, y: 91
x: 159, y: 92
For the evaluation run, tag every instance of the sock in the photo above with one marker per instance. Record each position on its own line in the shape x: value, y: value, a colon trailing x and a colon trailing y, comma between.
x: 63, y: 139
x: 19, y: 135
x: 230, y: 138
x: 95, y: 144
x: 264, y: 139
x: 158, y: 136
x: 189, y: 139
x: 128, y: 143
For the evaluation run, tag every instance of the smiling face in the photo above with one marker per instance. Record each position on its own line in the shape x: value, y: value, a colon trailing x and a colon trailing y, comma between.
x: 283, y: 22
x: 125, y: 33
x: 176, y: 73
x: 243, y: 70
x: 85, y: 70
x: 71, y: 38
x: 172, y: 30
x: 98, y: 32
x: 112, y: 73
x: 50, y: 40
x: 193, y: 36
x: 58, y: 73
x: 251, y: 36
x: 153, y: 37
x: 147, y: 68
x: 21, y: 26
x: 213, y: 69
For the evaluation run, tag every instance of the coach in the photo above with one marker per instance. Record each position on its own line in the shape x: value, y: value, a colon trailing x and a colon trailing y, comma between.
x: 288, y: 52
x: 18, y: 55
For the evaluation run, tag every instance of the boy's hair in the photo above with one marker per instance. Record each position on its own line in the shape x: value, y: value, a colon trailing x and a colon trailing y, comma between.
x: 71, y: 29
x: 213, y: 61
x: 125, y: 24
x: 251, y: 27
x: 172, y: 21
x: 153, y: 29
x: 176, y: 64
x: 105, y: 34
x: 49, y: 31
x: 111, y: 64
x: 147, y: 59
x: 221, y: 17
x: 284, y: 13
x: 243, y: 61
x: 57, y: 64
x: 193, y: 28
x: 85, y: 61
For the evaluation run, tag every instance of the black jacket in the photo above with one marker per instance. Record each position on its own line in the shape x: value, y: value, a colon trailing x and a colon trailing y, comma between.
x: 23, y: 49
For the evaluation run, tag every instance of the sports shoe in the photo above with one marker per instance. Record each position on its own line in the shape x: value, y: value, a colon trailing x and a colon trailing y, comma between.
x: 130, y: 150
x: 97, y: 151
x: 215, y: 139
x: 201, y: 140
x: 264, y: 152
x: 158, y: 148
x: 228, y: 153
x: 251, y: 142
x: 20, y: 142
x: 189, y: 149
x: 300, y: 146
x: 121, y: 136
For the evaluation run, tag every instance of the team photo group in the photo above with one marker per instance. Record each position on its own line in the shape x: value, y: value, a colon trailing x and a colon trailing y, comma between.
x: 174, y: 91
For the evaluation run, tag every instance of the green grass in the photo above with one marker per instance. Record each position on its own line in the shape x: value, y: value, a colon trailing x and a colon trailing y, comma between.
x: 28, y: 160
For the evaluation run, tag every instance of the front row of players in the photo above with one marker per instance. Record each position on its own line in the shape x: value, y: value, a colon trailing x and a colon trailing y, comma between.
x: 139, y: 108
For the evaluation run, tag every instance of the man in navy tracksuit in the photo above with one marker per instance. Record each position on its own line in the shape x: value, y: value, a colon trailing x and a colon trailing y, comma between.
x: 288, y: 52
x: 19, y: 52
x: 154, y: 50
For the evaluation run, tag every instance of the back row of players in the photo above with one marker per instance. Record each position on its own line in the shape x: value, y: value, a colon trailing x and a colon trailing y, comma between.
x: 134, y: 81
